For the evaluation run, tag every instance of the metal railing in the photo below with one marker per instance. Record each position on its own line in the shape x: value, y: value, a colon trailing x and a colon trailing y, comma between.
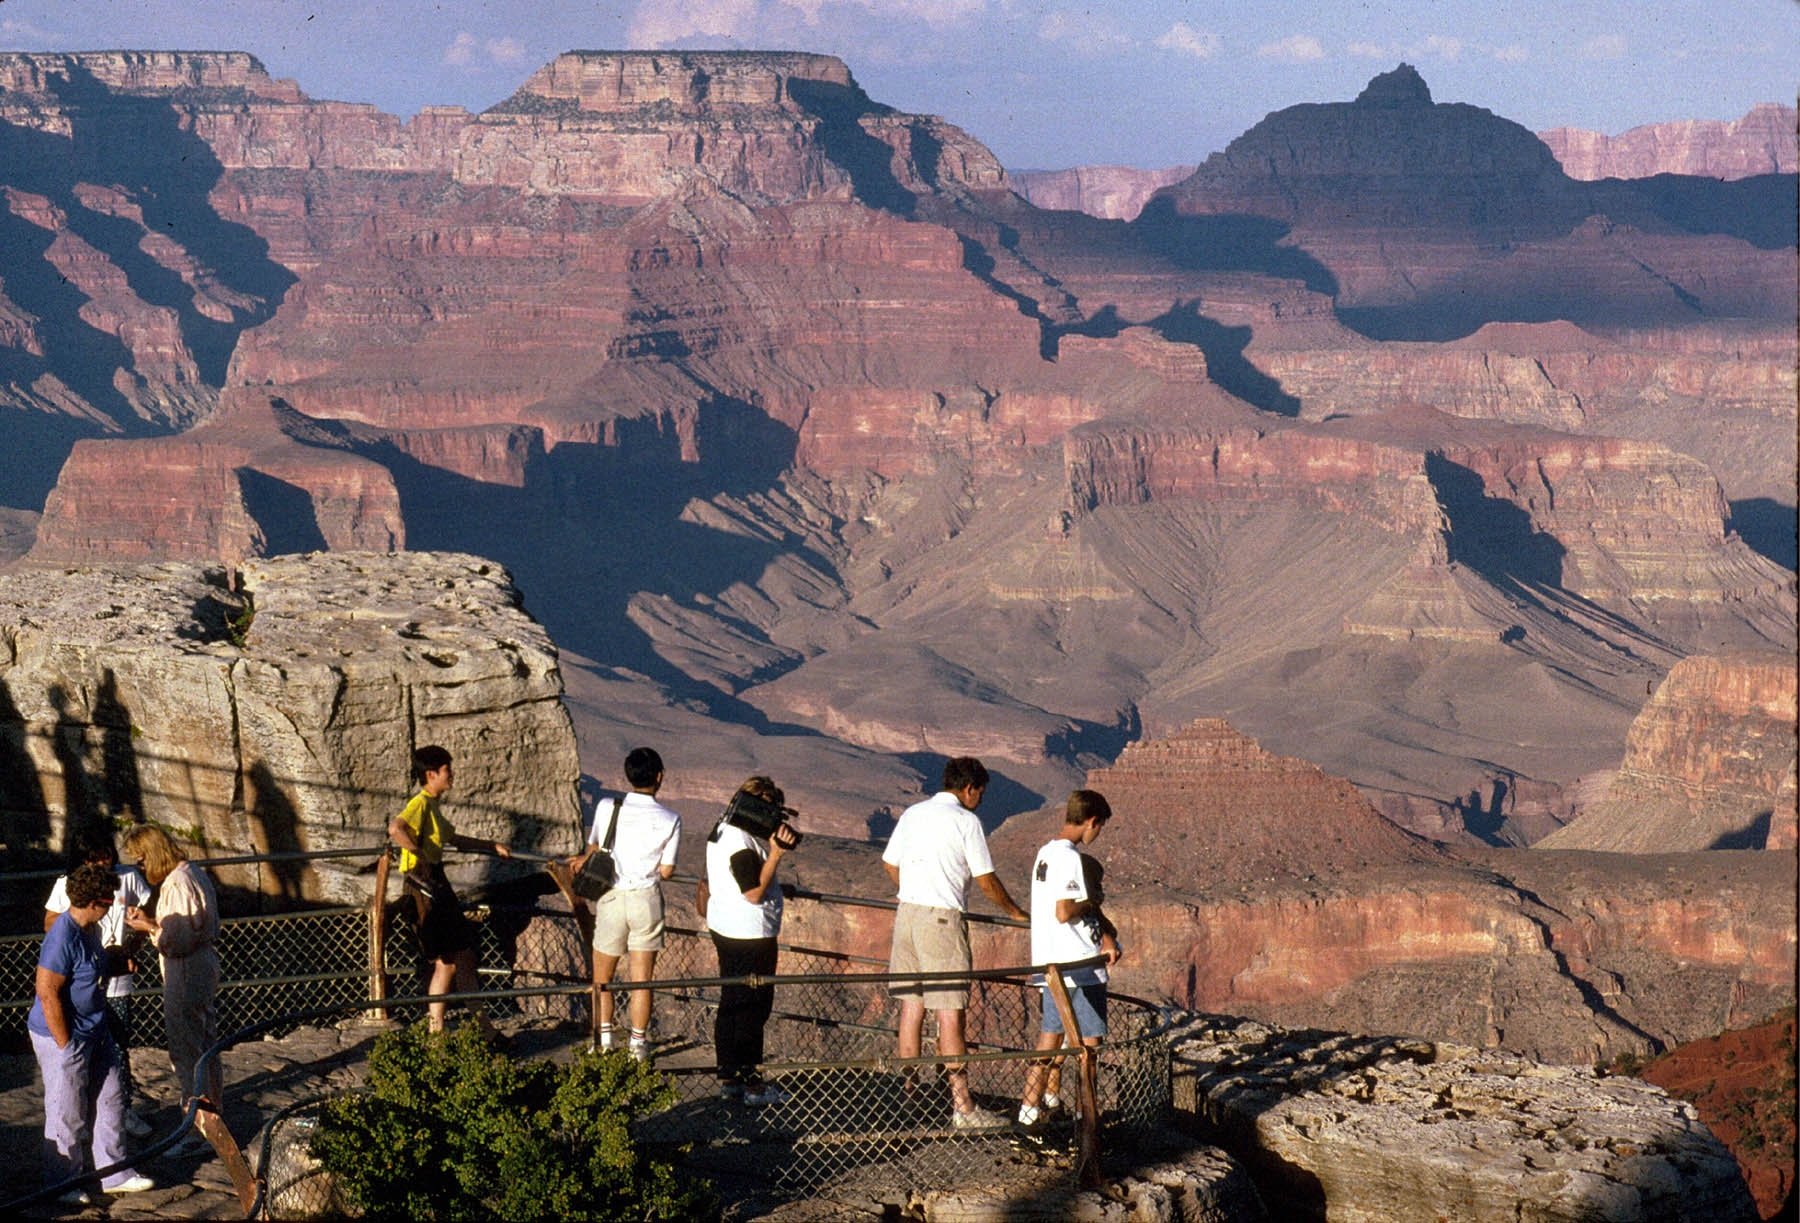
x: 851, y: 1108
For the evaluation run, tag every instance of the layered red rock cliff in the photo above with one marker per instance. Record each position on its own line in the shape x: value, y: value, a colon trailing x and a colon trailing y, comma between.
x: 1761, y: 142
x: 1709, y: 764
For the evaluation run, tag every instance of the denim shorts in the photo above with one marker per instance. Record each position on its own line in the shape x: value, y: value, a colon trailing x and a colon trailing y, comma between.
x: 1087, y: 1001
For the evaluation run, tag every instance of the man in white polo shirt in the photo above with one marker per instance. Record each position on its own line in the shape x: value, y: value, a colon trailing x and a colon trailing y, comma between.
x: 936, y: 849
x: 628, y: 920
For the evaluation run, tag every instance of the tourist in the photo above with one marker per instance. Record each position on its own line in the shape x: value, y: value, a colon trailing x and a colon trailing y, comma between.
x: 120, y: 943
x: 628, y: 920
x: 740, y: 898
x: 1068, y: 926
x: 936, y: 849
x: 446, y: 937
x: 82, y: 1065
x: 184, y: 930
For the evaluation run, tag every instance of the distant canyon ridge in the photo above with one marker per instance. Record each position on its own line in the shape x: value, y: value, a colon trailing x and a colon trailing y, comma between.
x: 1761, y: 142
x: 819, y: 450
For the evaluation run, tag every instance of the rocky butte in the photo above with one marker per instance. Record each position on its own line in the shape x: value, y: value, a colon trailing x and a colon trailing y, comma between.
x: 819, y: 452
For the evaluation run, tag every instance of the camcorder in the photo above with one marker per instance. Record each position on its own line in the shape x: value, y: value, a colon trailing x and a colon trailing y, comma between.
x: 759, y: 817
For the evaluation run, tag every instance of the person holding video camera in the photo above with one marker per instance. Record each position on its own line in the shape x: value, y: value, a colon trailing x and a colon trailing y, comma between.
x: 741, y: 900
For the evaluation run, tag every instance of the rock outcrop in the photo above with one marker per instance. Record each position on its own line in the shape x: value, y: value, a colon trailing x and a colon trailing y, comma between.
x: 1761, y: 142
x: 277, y: 708
x: 1709, y: 764
x: 1387, y: 1130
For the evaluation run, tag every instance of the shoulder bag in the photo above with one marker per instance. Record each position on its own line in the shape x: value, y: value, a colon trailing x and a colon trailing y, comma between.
x: 596, y: 876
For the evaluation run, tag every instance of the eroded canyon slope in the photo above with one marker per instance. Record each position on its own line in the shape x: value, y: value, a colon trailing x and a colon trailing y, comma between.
x: 816, y: 447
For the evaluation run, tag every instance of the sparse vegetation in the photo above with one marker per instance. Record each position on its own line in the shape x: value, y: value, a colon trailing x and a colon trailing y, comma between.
x: 447, y: 1130
x: 238, y: 626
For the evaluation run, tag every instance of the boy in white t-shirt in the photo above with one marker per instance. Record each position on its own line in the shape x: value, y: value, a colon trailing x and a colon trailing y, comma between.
x: 1067, y: 926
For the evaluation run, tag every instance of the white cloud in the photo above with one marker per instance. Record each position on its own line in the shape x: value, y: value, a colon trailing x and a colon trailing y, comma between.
x: 465, y: 49
x: 931, y: 12
x: 13, y: 30
x: 1182, y: 37
x: 461, y: 51
x: 1294, y: 49
x: 1084, y: 30
x: 505, y: 50
x: 1368, y: 50
x: 1436, y: 46
x: 1512, y: 53
x: 656, y: 23
x: 1605, y: 46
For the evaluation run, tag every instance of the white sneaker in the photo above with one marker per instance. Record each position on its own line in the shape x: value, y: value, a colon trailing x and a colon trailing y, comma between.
x: 640, y: 1050
x: 978, y: 1119
x: 1030, y: 1115
x: 76, y: 1197
x: 137, y: 1184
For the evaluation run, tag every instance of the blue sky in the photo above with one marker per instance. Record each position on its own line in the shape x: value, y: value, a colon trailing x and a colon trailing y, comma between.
x: 1044, y: 83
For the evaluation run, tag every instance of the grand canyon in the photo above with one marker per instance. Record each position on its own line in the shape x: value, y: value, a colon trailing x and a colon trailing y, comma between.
x: 1397, y: 521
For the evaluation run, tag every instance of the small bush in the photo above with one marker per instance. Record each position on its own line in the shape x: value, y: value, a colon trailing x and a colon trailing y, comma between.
x: 448, y: 1131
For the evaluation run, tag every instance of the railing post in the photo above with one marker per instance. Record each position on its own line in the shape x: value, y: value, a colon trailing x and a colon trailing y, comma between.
x: 378, y: 981
x: 1087, y: 1126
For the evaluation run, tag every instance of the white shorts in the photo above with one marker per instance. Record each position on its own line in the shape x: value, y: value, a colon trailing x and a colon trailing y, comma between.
x: 629, y: 921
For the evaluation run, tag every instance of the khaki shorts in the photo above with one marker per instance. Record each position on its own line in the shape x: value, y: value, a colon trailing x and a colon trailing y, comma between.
x: 629, y: 921
x: 930, y: 940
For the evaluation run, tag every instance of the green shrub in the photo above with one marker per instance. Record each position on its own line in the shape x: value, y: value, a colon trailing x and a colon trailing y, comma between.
x: 448, y: 1131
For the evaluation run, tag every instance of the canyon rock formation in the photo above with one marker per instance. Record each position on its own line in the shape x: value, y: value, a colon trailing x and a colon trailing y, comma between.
x: 1374, y: 1129
x: 1709, y: 764
x: 1761, y: 142
x: 1116, y: 193
x: 818, y: 451
x: 279, y: 713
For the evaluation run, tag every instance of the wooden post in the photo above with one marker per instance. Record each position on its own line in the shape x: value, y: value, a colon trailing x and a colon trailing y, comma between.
x: 378, y: 981
x: 210, y: 1124
x: 1087, y: 1127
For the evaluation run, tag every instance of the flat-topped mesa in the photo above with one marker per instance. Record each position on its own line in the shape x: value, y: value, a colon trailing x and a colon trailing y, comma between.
x: 691, y: 82
x: 629, y: 127
x: 52, y: 75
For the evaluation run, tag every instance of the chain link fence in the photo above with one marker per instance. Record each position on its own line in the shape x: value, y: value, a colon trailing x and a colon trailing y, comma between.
x: 847, y: 1106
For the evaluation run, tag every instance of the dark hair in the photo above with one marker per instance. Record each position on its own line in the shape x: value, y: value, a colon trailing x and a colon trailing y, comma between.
x: 93, y: 846
x: 89, y: 883
x: 428, y: 759
x: 642, y: 767
x: 961, y: 771
x: 1085, y: 805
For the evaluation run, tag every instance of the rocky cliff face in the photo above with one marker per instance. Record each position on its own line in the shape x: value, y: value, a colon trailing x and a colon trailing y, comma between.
x: 1761, y: 142
x: 280, y: 714
x: 1386, y: 1129
x: 1116, y: 193
x: 1709, y: 764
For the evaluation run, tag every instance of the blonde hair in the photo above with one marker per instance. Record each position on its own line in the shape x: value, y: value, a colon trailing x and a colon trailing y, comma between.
x: 764, y: 788
x: 154, y: 848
